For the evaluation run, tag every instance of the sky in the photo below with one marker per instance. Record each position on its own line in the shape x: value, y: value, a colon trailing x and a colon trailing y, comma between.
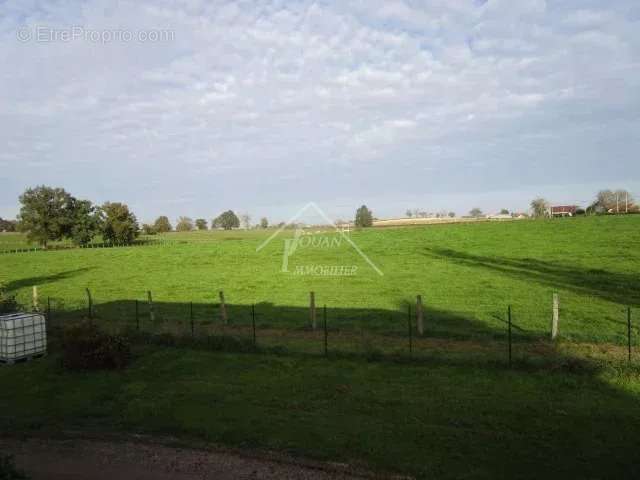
x: 194, y: 107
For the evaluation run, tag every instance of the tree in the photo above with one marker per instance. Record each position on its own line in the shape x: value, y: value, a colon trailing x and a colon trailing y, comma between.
x: 264, y: 223
x: 539, y: 207
x: 185, y: 224
x: 408, y: 213
x: 245, y: 219
x: 364, y: 217
x: 475, y: 212
x: 620, y: 201
x: 45, y: 214
x: 148, y: 229
x: 162, y: 224
x: 452, y: 214
x: 504, y: 211
x: 201, y: 224
x: 85, y: 221
x: 8, y: 225
x: 226, y: 220
x: 120, y: 225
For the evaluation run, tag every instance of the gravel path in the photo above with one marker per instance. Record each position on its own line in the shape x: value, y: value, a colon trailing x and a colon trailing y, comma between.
x: 66, y: 459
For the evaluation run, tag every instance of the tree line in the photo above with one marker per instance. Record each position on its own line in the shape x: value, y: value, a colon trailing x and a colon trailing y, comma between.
x: 606, y: 202
x: 50, y: 214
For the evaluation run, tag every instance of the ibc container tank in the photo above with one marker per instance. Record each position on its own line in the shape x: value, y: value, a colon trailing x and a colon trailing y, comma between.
x: 22, y: 335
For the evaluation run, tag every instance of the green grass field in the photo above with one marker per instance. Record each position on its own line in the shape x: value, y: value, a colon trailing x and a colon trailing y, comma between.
x: 454, y: 409
x: 467, y: 274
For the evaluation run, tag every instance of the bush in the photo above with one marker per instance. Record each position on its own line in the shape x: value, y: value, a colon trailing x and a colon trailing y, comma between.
x: 8, y: 470
x: 8, y: 304
x: 85, y: 347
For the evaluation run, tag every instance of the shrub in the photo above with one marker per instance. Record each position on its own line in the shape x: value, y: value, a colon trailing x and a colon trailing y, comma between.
x: 8, y: 303
x: 8, y: 470
x: 85, y: 347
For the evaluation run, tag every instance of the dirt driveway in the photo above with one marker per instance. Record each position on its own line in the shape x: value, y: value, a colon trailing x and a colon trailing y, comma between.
x: 142, y: 459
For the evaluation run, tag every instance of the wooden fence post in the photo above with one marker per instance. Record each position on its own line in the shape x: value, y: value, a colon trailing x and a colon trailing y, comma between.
x: 419, y: 315
x: 137, y: 317
x: 223, y: 309
x: 34, y: 299
x: 312, y: 309
x: 556, y: 316
x: 152, y: 313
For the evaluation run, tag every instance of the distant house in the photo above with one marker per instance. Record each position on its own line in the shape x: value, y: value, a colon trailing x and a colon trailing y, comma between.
x: 564, y: 211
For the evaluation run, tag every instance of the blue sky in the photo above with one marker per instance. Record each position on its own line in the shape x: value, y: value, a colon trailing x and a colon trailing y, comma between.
x: 263, y: 106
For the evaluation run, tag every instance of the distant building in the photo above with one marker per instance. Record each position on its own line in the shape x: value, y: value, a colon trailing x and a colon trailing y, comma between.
x: 564, y: 211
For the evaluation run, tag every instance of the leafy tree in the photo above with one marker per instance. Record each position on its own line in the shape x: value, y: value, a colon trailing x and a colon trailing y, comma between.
x: 120, y: 224
x: 185, y: 224
x: 85, y: 221
x: 226, y: 220
x: 245, y: 219
x: 452, y: 214
x: 409, y: 213
x: 364, y: 217
x: 8, y: 225
x: 539, y: 207
x: 201, y: 224
x: 475, y: 212
x: 504, y: 211
x: 45, y: 214
x: 149, y: 229
x: 162, y: 224
x: 264, y: 223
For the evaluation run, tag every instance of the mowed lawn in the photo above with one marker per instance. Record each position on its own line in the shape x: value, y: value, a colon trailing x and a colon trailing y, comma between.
x: 467, y: 275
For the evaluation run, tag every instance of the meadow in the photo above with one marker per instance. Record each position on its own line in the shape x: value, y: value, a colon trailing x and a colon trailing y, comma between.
x: 451, y: 408
x: 467, y: 274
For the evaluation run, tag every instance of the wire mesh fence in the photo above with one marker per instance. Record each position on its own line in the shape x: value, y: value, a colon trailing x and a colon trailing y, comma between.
x: 485, y: 330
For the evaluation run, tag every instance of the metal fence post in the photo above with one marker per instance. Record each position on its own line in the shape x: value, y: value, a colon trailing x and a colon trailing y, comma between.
x: 509, y: 334
x: 410, y: 329
x: 324, y: 316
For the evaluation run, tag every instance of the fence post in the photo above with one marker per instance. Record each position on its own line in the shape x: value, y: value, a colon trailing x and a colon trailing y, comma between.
x: 223, y: 309
x: 312, y: 309
x: 324, y: 316
x: 253, y: 323
x: 34, y: 299
x: 49, y: 309
x: 509, y: 334
x: 191, y: 319
x: 90, y: 304
x: 419, y: 315
x: 152, y: 313
x: 629, y: 331
x: 137, y: 317
x: 556, y: 316
x: 409, y: 326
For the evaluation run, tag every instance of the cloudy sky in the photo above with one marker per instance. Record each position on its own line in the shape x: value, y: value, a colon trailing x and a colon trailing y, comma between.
x: 191, y: 107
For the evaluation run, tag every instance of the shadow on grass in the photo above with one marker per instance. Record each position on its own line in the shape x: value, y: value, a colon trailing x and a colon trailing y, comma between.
x: 16, y: 285
x: 546, y: 413
x: 438, y: 323
x: 622, y: 288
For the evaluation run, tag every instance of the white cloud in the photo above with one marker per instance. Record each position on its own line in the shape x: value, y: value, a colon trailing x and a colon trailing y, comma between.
x: 244, y: 91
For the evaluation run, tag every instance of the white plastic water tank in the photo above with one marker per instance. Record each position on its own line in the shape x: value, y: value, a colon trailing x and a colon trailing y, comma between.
x: 22, y: 335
